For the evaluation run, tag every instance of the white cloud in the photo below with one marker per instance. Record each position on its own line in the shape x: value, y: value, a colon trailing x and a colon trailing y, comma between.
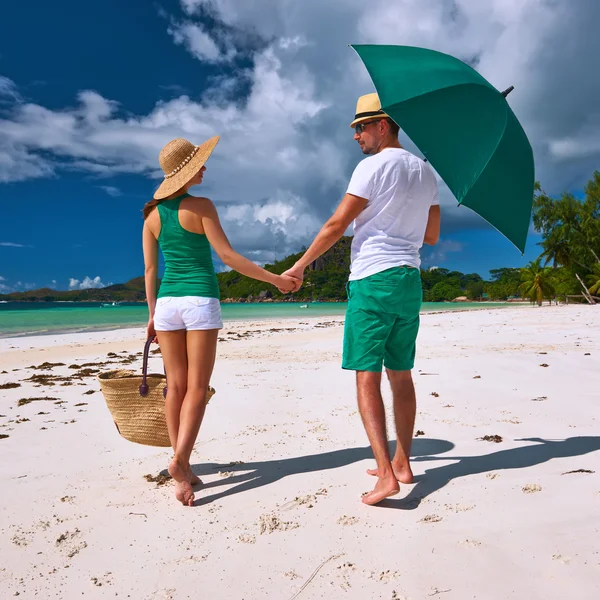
x: 86, y: 284
x: 2, y: 278
x: 286, y: 150
x: 111, y: 190
x: 200, y: 43
x: 439, y: 252
x: 13, y: 245
x: 8, y: 89
x: 19, y: 286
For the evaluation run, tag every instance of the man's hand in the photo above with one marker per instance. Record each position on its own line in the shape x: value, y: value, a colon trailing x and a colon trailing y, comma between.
x: 296, y: 273
x: 288, y: 284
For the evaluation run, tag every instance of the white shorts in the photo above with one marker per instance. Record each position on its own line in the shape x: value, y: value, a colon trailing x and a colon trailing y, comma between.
x: 192, y: 313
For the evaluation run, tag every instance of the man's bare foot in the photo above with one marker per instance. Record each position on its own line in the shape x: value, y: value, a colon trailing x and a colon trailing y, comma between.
x: 184, y: 493
x: 402, y: 474
x: 384, y: 488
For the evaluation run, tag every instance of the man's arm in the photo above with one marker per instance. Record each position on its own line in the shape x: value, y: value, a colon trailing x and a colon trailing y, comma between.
x: 432, y: 231
x: 350, y: 207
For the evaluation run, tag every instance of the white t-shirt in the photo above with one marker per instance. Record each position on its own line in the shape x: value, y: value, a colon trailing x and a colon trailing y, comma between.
x: 389, y: 232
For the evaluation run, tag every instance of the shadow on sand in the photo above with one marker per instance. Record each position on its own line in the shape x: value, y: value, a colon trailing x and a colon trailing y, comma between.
x: 257, y: 474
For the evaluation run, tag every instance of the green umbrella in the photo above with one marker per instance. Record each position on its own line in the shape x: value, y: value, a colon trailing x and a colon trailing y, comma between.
x: 463, y: 126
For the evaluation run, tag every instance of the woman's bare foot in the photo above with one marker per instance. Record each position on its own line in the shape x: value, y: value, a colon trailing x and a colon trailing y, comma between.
x: 384, y: 488
x: 184, y: 493
x: 178, y: 471
x: 402, y: 474
x: 194, y: 479
x: 183, y: 485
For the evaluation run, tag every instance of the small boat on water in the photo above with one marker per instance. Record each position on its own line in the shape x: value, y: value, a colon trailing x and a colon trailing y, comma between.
x: 304, y: 306
x: 110, y: 304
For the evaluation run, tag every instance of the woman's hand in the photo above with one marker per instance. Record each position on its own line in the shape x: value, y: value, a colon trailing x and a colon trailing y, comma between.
x: 297, y: 274
x: 286, y: 284
x: 151, y: 332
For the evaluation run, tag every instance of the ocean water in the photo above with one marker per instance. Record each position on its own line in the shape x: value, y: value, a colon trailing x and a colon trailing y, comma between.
x: 39, y: 318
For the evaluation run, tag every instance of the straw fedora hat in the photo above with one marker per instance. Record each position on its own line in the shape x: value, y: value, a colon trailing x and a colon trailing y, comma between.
x: 181, y: 160
x: 368, y: 108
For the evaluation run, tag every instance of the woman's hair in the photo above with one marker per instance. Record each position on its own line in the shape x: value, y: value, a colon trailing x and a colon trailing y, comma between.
x: 149, y: 207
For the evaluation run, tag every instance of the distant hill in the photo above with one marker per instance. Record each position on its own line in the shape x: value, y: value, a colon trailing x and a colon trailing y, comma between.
x: 325, y: 280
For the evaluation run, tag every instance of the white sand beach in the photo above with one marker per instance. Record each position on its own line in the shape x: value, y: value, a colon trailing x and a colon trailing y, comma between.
x: 283, y: 454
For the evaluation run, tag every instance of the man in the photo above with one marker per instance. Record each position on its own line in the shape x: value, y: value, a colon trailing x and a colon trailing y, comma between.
x: 393, y: 200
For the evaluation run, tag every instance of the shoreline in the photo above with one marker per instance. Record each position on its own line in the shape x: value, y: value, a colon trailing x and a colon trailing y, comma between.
x: 444, y: 307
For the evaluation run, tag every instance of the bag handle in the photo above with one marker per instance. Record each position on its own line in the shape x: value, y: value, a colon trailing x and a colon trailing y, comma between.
x: 144, y: 388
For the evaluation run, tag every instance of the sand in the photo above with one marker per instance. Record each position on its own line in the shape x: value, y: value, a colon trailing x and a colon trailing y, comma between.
x: 505, y: 505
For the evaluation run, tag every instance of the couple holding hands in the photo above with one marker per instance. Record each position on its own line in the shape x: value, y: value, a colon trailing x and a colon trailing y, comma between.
x: 392, y: 199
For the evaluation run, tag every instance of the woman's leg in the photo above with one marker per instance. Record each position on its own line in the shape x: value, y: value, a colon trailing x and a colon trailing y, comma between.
x: 201, y: 352
x: 174, y: 353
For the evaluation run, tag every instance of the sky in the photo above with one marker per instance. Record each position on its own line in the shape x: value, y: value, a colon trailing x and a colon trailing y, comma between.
x: 90, y: 93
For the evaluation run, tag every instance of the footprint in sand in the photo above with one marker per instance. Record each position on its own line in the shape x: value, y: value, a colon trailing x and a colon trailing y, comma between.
x: 531, y: 488
x: 71, y: 543
x: 385, y: 576
x: 270, y: 523
x: 106, y: 579
x: 247, y: 538
x: 459, y: 507
x: 566, y: 560
x: 347, y: 520
x: 292, y: 575
x: 431, y: 519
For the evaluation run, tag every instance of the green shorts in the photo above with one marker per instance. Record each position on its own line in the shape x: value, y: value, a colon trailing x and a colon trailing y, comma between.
x: 382, y: 320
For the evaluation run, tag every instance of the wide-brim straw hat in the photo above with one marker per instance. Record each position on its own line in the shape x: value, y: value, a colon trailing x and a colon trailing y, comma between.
x: 368, y: 108
x: 181, y: 160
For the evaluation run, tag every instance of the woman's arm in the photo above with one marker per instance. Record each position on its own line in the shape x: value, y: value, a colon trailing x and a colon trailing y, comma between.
x: 150, y: 247
x: 218, y: 240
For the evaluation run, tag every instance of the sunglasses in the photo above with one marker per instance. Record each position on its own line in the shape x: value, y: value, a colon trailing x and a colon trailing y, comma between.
x: 360, y: 127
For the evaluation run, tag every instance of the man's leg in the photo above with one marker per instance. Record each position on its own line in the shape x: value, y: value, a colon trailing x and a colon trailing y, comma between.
x: 405, y: 408
x: 399, y: 360
x: 372, y: 412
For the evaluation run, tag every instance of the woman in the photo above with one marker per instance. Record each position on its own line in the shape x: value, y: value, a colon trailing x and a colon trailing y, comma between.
x: 186, y: 313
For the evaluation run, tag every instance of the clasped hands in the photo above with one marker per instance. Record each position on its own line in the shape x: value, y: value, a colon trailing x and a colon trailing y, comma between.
x: 291, y: 280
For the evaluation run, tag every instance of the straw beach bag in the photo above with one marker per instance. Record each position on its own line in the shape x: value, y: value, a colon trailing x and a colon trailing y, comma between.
x: 137, y: 403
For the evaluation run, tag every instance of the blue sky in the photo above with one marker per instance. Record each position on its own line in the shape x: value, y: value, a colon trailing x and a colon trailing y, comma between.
x: 89, y: 93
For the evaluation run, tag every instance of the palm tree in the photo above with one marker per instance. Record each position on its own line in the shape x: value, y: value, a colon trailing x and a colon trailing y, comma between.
x: 594, y: 280
x: 536, y: 282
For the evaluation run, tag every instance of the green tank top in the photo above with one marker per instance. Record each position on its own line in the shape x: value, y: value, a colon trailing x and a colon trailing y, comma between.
x: 189, y: 269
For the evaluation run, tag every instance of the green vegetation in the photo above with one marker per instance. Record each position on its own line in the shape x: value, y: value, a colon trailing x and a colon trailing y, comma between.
x: 570, y: 230
x: 537, y: 283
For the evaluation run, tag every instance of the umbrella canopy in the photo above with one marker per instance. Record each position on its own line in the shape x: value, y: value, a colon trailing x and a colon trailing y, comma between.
x: 463, y: 126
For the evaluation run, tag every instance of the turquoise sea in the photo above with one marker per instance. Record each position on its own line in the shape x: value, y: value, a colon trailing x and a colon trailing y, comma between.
x: 39, y: 318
